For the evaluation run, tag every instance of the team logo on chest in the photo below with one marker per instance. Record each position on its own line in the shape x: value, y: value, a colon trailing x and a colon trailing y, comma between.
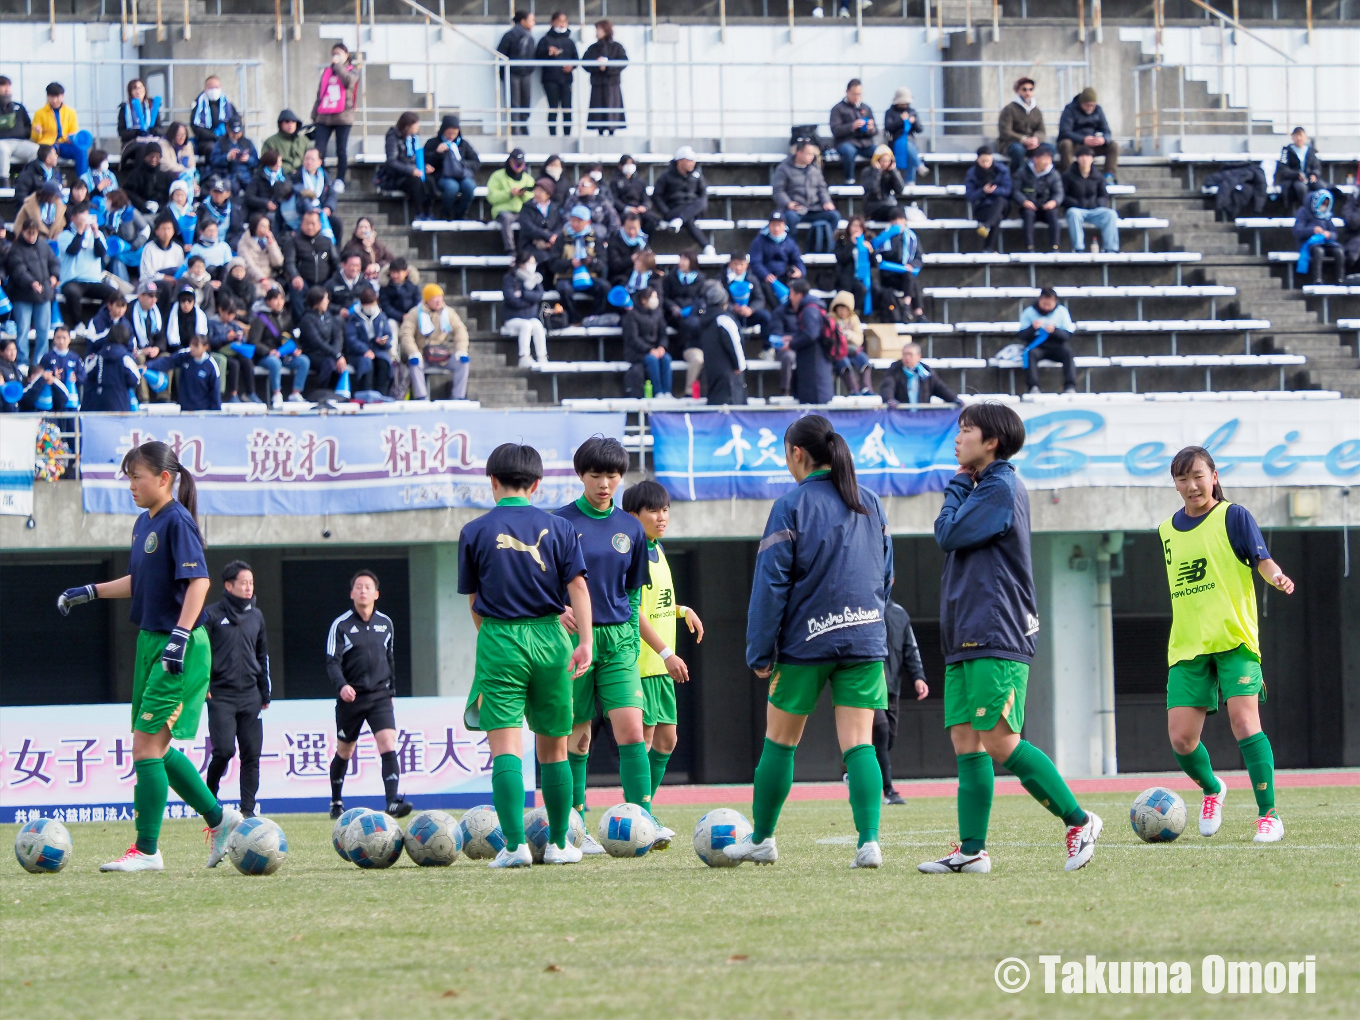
x: 151, y: 544
x: 622, y: 543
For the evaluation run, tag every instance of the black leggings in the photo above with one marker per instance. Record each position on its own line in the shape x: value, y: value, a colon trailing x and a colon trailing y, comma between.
x: 885, y: 735
x: 229, y: 726
x: 321, y: 139
x: 74, y: 295
x: 240, y: 373
x: 416, y: 194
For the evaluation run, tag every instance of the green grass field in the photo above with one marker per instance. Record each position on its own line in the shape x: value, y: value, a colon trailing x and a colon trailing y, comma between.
x: 665, y: 936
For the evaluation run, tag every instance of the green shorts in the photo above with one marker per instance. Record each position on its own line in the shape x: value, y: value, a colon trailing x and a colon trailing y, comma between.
x: 523, y: 674
x: 658, y: 700
x: 985, y: 691
x: 795, y: 687
x: 1196, y: 683
x: 613, y: 673
x: 160, y: 698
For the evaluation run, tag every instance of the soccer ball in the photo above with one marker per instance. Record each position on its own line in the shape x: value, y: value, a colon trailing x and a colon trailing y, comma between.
x: 576, y: 830
x: 719, y: 828
x: 338, y: 831
x: 433, y: 839
x: 373, y: 840
x: 482, y: 836
x: 627, y: 830
x: 1158, y: 815
x: 536, y: 831
x: 257, y: 846
x: 42, y: 845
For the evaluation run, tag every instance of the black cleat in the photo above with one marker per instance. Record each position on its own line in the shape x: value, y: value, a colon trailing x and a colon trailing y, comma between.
x: 399, y: 808
x: 337, y: 808
x: 892, y: 797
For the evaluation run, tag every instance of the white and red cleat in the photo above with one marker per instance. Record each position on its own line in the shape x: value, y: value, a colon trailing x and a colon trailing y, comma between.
x: 135, y: 860
x: 1269, y: 828
x: 1081, y: 842
x: 1211, y: 812
x: 956, y: 862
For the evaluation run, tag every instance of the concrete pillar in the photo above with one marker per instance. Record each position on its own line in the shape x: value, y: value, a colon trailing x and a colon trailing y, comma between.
x: 443, y: 638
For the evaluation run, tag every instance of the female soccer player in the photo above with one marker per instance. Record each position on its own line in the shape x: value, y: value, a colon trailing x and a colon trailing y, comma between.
x: 816, y: 616
x: 167, y: 581
x: 1210, y: 547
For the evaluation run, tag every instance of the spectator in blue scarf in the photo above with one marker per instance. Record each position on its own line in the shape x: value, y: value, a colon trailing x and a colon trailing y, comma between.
x: 1317, y: 238
x: 212, y: 112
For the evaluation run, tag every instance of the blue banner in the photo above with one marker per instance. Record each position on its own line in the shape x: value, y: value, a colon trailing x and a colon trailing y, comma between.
x: 740, y: 454
x: 337, y: 464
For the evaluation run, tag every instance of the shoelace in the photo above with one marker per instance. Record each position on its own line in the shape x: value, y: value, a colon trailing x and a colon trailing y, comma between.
x: 954, y: 848
x: 1263, y: 823
x: 1210, y: 808
x: 131, y: 852
x: 1073, y: 839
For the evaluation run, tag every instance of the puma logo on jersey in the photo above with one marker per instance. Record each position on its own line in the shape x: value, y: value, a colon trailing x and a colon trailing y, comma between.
x: 504, y: 541
x: 1192, y: 571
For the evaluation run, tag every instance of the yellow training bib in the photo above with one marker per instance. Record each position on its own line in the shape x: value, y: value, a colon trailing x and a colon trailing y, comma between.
x: 1213, y: 597
x: 658, y: 609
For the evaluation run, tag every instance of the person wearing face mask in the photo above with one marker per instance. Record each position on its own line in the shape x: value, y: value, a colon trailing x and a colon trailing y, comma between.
x: 313, y: 184
x: 557, y: 44
x: 372, y: 337
x: 212, y: 112
x: 622, y: 249
x: 333, y: 111
x: 588, y: 193
x: 646, y: 346
x: 16, y: 129
x: 552, y: 169
x: 628, y: 191
x: 522, y: 301
x: 606, y: 94
x: 99, y: 181
x: 364, y: 243
x: 80, y: 252
x: 579, y: 268
x: 506, y: 192
x: 683, y: 297
x: 455, y: 163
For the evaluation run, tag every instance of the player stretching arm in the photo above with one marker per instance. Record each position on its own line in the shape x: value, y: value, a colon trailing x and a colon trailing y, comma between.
x: 1210, y: 547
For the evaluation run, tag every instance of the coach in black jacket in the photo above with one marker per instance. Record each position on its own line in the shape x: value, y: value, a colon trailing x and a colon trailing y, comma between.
x: 897, y: 386
x: 239, y: 689
x: 903, y: 666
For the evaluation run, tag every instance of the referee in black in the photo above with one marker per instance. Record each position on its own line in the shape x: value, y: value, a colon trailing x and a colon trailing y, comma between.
x: 239, y: 690
x: 904, y: 664
x: 361, y: 662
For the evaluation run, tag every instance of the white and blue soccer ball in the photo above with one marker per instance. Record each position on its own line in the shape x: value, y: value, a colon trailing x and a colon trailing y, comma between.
x: 719, y: 828
x: 373, y: 840
x: 433, y: 839
x: 1158, y: 815
x: 257, y: 846
x: 577, y: 830
x: 42, y: 845
x: 482, y: 835
x: 338, y: 830
x: 536, y: 831
x: 627, y: 830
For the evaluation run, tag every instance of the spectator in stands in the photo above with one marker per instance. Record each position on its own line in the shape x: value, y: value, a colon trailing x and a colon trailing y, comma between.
x: 451, y: 165
x: 800, y: 193
x: 183, y: 212
x: 147, y: 184
x: 433, y: 323
x: 1298, y: 170
x: 405, y: 168
x: 260, y: 195
x: 1350, y: 216
x: 45, y: 209
x: 220, y: 209
x: 37, y: 172
x: 234, y: 157
x: 579, y: 269
x: 855, y: 262
x: 321, y: 336
x: 309, y: 259
x: 80, y: 254
x: 1038, y: 190
x: 126, y: 232
x: 1020, y: 127
x: 197, y: 278
x: 177, y: 151
x: 853, y: 128
x: 1317, y: 238
x: 100, y: 181
x: 1085, y: 200
x: 622, y: 250
x: 333, y: 110
x: 521, y: 307
x: 163, y: 255
x: 146, y: 322
x: 138, y: 115
x: 227, y: 338
x: 275, y: 349
x: 911, y: 382
x: 629, y: 194
x: 813, y: 382
x: 343, y: 286
x: 236, y: 282
x: 289, y: 142
x: 854, y: 369
x: 62, y: 369
x: 900, y: 123
x: 646, y: 345
x: 745, y: 296
x: 682, y: 295
x: 681, y: 196
x: 10, y: 373
x: 199, y: 385
x: 261, y: 254
x: 987, y: 187
x: 16, y: 132
x: 900, y: 262
x: 213, y: 111
x: 540, y: 223
x: 31, y: 276
x: 398, y: 295
x: 506, y: 192
x: 187, y: 318
x: 315, y: 189
x: 721, y: 355
x: 216, y: 253
x: 552, y: 169
x: 776, y: 259
x: 364, y: 242
x: 588, y: 193
x: 1083, y: 123
x: 517, y: 76
x: 557, y: 44
x: 368, y: 326
x: 606, y: 94
x: 1046, y: 331
x: 56, y: 124
x: 112, y: 372
x: 882, y: 184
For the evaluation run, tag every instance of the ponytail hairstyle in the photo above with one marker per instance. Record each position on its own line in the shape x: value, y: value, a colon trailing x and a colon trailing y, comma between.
x: 157, y: 457
x: 825, y: 445
x: 1184, y: 461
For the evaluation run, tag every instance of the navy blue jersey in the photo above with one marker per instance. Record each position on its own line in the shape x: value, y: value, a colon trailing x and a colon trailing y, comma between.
x: 200, y: 383
x: 167, y: 553
x: 518, y: 560
x: 615, y: 549
x: 1244, y: 534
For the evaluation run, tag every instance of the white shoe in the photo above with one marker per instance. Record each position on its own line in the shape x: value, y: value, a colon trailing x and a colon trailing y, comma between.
x: 526, y: 362
x: 135, y: 860
x: 1269, y: 829
x: 553, y: 854
x: 590, y: 847
x: 676, y: 224
x: 276, y: 401
x: 664, y: 835
x: 956, y: 862
x: 1081, y: 842
x: 710, y: 250
x: 817, y: 12
x: 1211, y: 811
x: 870, y: 855
x: 520, y: 857
x: 747, y: 849
x: 217, y: 838
x: 296, y: 398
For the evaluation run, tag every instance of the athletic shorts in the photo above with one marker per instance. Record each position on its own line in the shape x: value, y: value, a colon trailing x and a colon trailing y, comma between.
x: 985, y: 691
x: 1197, y: 682
x: 374, y: 709
x: 613, y: 674
x: 160, y: 698
x: 658, y: 700
x: 795, y: 687
x: 523, y: 674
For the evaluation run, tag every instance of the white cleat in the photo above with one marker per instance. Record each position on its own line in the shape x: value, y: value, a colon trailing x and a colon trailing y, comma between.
x: 553, y: 854
x: 870, y: 855
x: 1269, y: 829
x: 747, y: 849
x: 217, y: 838
x: 1211, y: 812
x: 590, y: 847
x: 664, y: 835
x: 956, y: 862
x: 1081, y: 842
x: 520, y: 857
x: 135, y: 860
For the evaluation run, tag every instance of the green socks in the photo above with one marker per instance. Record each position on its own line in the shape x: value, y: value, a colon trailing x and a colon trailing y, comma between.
x: 1039, y: 776
x: 635, y: 774
x: 507, y: 793
x: 1260, y: 761
x: 774, y: 780
x: 148, y: 802
x: 1196, y: 765
x: 976, y: 780
x: 577, y: 764
x: 185, y: 781
x: 866, y: 790
x: 658, y: 762
x: 556, y: 784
